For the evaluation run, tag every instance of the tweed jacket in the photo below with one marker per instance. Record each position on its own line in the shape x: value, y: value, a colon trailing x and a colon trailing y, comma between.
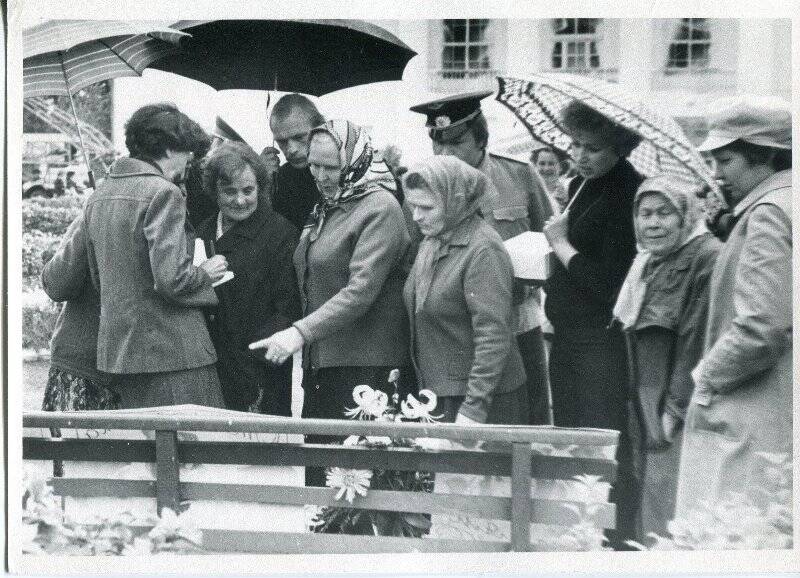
x: 742, y: 404
x: 140, y: 250
x: 65, y: 277
x: 462, y: 341
x: 351, y: 285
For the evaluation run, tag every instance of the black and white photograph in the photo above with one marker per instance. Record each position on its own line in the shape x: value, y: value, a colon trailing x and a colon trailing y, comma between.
x: 374, y: 287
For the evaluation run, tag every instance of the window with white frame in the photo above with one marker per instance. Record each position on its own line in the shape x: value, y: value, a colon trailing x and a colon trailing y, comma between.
x: 466, y: 48
x: 690, y: 48
x: 575, y: 44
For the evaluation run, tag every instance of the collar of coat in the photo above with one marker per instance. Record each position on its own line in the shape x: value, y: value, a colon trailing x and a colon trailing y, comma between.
x: 779, y: 180
x: 130, y: 167
x: 250, y: 228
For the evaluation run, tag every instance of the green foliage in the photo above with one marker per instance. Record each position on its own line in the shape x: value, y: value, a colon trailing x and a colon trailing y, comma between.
x: 760, y: 519
x: 50, y: 215
x: 37, y: 249
x: 47, y: 530
x: 39, y: 316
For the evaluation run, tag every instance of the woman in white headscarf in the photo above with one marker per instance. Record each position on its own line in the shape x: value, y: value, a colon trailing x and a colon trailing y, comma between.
x: 458, y: 297
x: 348, y: 262
x: 663, y: 306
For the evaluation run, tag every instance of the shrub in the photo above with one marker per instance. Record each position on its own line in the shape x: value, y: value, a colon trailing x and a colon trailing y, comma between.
x: 50, y: 215
x: 39, y: 316
x: 37, y: 249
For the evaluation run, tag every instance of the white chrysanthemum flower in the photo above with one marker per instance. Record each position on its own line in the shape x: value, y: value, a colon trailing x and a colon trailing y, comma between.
x: 421, y: 408
x: 349, y: 482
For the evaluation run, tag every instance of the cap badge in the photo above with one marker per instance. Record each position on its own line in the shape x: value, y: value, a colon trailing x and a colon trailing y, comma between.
x: 442, y: 121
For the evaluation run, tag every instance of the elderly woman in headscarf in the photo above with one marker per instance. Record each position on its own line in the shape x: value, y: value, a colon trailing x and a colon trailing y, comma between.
x: 663, y: 306
x: 458, y: 297
x: 349, y: 267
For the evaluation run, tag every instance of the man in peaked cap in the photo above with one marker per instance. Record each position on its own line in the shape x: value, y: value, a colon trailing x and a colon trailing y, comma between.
x: 516, y: 203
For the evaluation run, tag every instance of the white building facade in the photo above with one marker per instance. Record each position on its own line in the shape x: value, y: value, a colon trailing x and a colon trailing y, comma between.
x: 676, y: 65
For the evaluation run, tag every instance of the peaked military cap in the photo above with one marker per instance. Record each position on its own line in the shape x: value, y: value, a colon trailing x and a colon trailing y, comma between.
x: 451, y: 111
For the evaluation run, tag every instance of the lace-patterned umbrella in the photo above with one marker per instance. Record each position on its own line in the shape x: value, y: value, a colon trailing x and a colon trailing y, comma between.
x: 539, y: 100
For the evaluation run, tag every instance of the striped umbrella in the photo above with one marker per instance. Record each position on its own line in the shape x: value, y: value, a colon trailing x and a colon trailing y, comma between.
x: 60, y: 57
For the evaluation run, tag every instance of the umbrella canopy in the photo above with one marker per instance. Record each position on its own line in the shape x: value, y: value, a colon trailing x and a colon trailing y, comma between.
x: 309, y: 56
x: 61, y: 57
x: 538, y: 102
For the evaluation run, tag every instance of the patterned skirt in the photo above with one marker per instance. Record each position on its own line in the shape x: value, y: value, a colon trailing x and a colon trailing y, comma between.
x: 66, y: 391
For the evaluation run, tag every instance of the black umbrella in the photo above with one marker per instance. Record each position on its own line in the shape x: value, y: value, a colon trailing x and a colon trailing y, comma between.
x: 309, y: 56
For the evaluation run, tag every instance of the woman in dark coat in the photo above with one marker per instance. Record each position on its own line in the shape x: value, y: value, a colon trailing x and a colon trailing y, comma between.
x: 663, y: 307
x: 458, y: 297
x: 262, y: 297
x: 594, y: 242
x: 349, y: 261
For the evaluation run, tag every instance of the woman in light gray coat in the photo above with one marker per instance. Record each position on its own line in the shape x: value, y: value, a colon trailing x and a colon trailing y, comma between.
x: 458, y: 297
x: 742, y: 402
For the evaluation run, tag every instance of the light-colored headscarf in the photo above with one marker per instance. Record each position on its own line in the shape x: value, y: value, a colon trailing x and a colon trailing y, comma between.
x: 361, y: 172
x: 458, y: 189
x: 631, y: 296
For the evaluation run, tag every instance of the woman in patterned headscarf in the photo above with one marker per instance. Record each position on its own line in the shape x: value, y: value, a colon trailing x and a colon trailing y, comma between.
x: 349, y: 266
x: 458, y: 297
x: 663, y: 305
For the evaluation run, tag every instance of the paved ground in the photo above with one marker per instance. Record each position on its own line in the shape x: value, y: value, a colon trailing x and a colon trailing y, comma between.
x: 34, y: 379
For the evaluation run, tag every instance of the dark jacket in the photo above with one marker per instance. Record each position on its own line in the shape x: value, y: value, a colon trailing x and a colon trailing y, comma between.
x: 462, y: 341
x: 294, y: 194
x: 260, y: 300
x: 666, y: 341
x: 601, y: 230
x: 140, y: 250
x: 65, y: 277
x: 351, y: 280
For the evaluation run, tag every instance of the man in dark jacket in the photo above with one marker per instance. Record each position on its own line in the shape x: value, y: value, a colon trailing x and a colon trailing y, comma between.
x: 294, y: 193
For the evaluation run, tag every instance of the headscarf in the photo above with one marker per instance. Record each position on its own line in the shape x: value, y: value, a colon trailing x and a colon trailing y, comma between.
x: 361, y: 173
x: 631, y: 296
x: 458, y: 189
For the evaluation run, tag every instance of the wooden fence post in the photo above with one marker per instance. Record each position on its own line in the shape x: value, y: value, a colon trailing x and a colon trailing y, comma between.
x: 167, y: 472
x: 521, y: 497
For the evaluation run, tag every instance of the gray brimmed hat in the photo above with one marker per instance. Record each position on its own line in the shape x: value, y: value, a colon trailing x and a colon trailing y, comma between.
x: 759, y: 120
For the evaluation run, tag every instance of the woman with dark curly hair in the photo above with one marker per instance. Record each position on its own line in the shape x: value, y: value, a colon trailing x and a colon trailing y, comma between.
x: 595, y: 244
x: 262, y: 297
x: 152, y: 333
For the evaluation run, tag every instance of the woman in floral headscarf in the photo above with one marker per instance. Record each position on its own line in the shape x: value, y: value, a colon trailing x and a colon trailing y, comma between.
x: 458, y: 297
x: 349, y: 267
x: 663, y: 306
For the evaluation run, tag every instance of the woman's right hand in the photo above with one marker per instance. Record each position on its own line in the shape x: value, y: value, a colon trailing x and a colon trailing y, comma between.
x: 215, y: 266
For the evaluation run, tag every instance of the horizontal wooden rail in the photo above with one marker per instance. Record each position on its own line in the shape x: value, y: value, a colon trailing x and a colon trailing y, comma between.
x: 251, y: 453
x: 244, y: 422
x: 543, y: 511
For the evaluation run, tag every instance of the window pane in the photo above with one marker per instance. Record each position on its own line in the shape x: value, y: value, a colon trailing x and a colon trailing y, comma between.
x: 455, y: 30
x: 594, y: 61
x: 700, y: 29
x: 587, y: 25
x: 479, y: 57
x: 453, y: 57
x: 678, y: 55
x: 699, y: 55
x: 477, y: 30
x: 556, y: 58
x: 564, y: 25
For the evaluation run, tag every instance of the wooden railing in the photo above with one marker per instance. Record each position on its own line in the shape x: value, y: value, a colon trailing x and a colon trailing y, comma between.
x: 508, y: 451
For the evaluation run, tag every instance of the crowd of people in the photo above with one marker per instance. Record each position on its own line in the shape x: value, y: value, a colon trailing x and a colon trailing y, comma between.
x: 673, y: 332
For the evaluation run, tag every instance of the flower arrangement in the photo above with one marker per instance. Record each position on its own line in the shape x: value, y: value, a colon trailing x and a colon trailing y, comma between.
x: 377, y: 406
x: 757, y: 520
x: 46, y: 529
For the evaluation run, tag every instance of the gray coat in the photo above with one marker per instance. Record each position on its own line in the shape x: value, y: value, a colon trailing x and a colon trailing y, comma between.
x: 351, y: 286
x: 462, y: 340
x: 742, y: 404
x: 140, y: 251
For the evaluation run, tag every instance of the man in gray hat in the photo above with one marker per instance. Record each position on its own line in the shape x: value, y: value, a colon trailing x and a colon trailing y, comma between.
x: 515, y: 204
